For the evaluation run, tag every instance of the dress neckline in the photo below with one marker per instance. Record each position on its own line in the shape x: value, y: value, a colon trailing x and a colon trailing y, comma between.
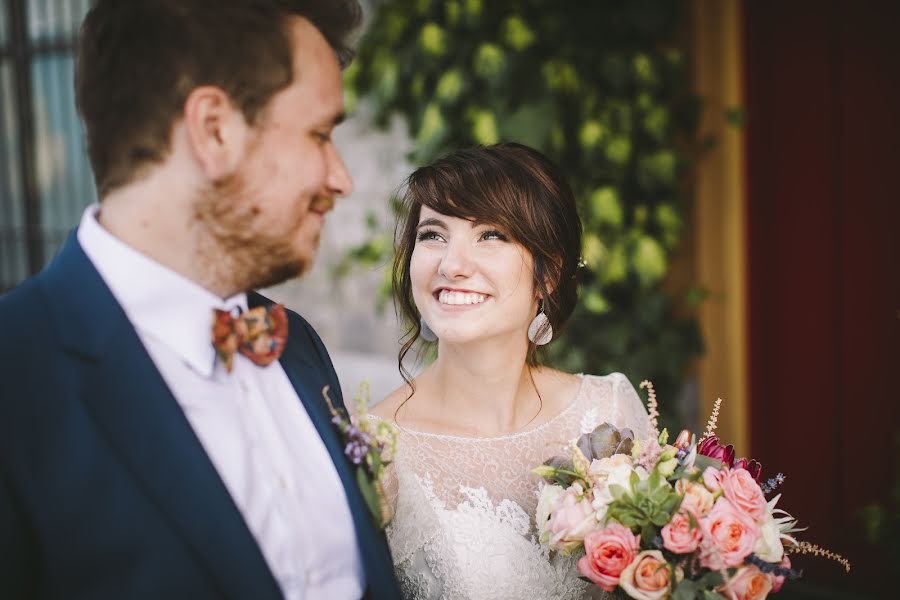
x: 506, y: 436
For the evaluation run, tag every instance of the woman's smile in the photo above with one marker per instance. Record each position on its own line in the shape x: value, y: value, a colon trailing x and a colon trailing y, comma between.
x: 452, y: 299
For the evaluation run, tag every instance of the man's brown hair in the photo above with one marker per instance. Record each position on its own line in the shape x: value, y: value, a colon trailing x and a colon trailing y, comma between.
x: 138, y: 61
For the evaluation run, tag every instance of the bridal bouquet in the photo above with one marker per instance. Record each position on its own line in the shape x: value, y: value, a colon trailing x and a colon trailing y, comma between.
x: 657, y: 520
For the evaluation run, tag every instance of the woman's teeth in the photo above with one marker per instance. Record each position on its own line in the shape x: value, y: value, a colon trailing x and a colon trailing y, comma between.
x: 448, y: 297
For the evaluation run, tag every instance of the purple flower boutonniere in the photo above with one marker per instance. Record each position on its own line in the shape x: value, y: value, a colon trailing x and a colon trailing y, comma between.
x: 370, y: 445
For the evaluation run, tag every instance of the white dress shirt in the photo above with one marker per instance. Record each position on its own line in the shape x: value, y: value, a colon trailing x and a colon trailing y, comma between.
x: 251, y: 423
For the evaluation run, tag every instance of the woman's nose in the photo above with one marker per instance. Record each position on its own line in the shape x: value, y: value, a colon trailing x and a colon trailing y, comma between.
x: 456, y: 263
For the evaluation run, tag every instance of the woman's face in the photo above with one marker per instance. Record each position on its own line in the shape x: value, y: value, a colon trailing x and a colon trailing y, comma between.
x: 470, y: 282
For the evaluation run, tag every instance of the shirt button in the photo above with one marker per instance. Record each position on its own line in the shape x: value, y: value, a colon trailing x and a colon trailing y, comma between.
x: 282, y: 482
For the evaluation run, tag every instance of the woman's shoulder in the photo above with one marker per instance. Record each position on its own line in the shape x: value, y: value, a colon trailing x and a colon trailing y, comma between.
x: 611, y: 383
x: 616, y: 396
x: 390, y: 404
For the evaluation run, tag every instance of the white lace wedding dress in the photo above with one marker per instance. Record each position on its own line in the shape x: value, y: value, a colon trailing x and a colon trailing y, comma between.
x: 463, y: 526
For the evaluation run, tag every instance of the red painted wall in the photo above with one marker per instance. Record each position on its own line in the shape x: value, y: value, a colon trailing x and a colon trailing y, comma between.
x: 822, y: 85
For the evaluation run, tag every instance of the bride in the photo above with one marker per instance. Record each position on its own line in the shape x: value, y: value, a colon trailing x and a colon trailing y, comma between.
x: 486, y: 264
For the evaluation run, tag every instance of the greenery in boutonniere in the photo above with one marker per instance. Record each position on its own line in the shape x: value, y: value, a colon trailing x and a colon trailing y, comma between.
x: 370, y: 445
x: 603, y: 88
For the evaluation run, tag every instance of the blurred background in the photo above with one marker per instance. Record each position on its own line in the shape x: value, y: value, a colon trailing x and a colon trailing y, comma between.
x: 735, y: 164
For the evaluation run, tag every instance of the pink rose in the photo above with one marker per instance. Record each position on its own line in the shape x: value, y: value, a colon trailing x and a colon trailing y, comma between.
x: 712, y: 479
x: 571, y: 518
x: 729, y: 536
x: 695, y: 497
x: 739, y: 486
x: 778, y: 580
x: 679, y: 536
x: 647, y: 577
x: 748, y: 583
x: 608, y: 552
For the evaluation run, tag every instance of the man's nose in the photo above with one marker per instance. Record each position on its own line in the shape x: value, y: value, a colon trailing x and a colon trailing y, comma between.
x: 339, y: 181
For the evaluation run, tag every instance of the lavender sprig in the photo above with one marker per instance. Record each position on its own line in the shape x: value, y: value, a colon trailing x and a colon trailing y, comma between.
x: 769, y: 486
x: 359, y: 443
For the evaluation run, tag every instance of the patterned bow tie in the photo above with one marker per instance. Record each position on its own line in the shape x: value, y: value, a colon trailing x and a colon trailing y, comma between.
x: 259, y: 334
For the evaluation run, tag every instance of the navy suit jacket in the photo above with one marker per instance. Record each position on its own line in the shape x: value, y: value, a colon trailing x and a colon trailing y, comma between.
x: 105, y: 490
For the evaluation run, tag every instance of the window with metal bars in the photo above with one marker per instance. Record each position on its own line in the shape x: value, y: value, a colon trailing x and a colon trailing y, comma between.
x: 45, y: 178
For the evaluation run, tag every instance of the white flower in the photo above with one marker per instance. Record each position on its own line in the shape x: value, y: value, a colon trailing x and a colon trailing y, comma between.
x: 548, y: 496
x: 769, y: 546
x: 620, y: 475
x: 600, y: 469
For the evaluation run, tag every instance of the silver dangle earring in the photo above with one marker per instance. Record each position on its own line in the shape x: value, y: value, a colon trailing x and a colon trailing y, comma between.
x: 540, y: 331
x: 425, y: 332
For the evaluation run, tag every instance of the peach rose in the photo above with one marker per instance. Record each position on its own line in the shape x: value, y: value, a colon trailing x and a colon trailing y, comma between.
x: 678, y: 535
x: 748, y: 583
x: 571, y: 518
x: 695, y: 497
x: 647, y: 577
x: 728, y: 536
x: 739, y: 486
x: 608, y: 552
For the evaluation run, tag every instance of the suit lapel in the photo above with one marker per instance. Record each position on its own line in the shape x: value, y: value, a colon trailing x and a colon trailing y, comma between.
x: 144, y: 424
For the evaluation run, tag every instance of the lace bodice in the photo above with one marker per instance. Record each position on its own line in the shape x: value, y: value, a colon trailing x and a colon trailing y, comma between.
x: 464, y: 507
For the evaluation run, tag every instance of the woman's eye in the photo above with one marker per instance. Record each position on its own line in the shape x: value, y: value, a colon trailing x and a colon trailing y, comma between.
x: 427, y: 234
x: 493, y: 234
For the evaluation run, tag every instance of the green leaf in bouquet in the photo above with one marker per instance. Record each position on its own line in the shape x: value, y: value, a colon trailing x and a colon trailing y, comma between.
x: 653, y: 481
x: 660, y: 518
x: 701, y: 462
x: 660, y: 495
x: 557, y: 469
x: 648, y: 532
x: 712, y: 595
x: 672, y: 502
x: 617, y: 491
x: 713, y: 579
x: 685, y: 590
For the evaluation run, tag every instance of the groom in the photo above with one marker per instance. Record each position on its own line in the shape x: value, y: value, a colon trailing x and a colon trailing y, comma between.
x: 136, y: 459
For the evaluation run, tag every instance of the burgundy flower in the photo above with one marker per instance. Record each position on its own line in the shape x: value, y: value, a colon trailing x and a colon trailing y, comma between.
x: 712, y: 448
x: 751, y: 465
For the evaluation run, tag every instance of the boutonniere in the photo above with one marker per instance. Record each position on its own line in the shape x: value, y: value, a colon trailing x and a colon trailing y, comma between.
x: 370, y: 444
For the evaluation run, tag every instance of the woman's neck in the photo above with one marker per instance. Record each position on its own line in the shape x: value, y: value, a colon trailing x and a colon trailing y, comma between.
x: 482, y: 389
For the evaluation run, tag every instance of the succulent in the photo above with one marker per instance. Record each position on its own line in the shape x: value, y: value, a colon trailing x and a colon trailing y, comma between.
x: 605, y: 441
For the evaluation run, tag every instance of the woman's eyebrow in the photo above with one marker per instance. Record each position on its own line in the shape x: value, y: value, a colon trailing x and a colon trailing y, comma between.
x: 431, y: 222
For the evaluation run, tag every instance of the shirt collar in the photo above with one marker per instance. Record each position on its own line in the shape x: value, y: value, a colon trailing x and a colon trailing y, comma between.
x: 159, y: 302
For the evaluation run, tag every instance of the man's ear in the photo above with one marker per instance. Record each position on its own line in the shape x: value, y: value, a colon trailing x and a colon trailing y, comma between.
x: 216, y: 130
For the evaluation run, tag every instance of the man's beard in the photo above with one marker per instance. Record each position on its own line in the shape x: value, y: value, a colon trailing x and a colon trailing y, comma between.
x: 237, y: 251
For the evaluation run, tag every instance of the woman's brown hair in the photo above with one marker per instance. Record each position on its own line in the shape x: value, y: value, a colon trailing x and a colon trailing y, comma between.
x: 512, y: 187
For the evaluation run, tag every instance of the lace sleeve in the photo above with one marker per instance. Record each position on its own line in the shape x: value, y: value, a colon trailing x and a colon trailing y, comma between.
x: 629, y: 407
